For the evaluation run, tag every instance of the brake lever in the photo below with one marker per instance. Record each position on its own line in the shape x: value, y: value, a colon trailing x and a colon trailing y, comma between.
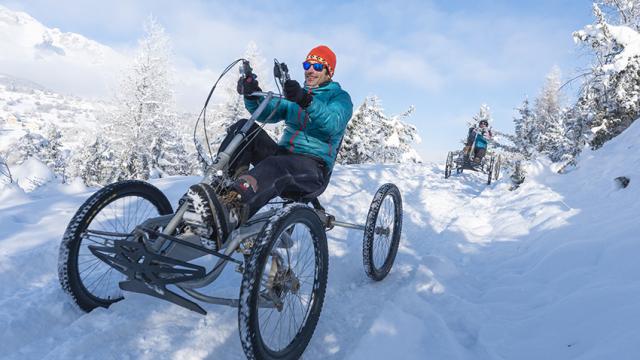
x: 245, y: 69
x: 281, y: 72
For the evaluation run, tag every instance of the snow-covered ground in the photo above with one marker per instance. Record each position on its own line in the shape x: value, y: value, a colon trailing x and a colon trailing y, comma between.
x: 548, y: 271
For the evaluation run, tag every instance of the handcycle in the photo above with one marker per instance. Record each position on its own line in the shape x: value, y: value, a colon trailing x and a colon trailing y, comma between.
x: 127, y: 237
x: 460, y: 160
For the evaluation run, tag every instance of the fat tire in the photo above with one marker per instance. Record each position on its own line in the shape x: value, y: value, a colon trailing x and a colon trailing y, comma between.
x: 68, y: 253
x: 249, y: 327
x: 370, y: 269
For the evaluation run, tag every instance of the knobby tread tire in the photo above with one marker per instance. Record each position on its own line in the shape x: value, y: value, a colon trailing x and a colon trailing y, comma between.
x: 250, y: 337
x: 368, y: 241
x: 68, y: 253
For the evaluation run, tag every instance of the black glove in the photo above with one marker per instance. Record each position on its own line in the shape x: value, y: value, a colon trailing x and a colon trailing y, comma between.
x: 247, y: 86
x: 294, y: 92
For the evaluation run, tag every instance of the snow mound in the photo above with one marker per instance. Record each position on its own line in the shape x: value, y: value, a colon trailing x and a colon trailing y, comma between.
x: 31, y: 174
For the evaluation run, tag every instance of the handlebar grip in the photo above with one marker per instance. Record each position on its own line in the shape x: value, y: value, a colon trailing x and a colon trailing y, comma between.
x: 246, y: 69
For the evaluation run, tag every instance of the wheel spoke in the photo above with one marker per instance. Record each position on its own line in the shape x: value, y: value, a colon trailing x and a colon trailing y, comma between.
x: 120, y: 215
x: 280, y: 327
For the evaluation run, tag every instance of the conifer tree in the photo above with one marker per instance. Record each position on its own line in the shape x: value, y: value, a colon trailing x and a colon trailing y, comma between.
x: 373, y: 137
x: 52, y: 154
x: 525, y: 136
x: 144, y: 129
x: 96, y: 163
x: 612, y: 87
x: 549, y: 130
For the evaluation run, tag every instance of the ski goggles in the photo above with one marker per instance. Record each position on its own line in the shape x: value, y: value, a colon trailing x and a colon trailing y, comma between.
x: 316, y: 66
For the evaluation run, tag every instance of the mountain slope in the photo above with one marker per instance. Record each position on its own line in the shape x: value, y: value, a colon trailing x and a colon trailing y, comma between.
x: 64, y: 62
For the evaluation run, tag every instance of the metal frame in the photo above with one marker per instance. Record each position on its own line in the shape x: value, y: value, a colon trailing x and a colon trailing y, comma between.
x: 197, y: 277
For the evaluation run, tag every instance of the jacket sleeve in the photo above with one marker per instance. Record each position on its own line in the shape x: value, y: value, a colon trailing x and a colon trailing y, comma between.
x: 330, y: 118
x: 281, y: 112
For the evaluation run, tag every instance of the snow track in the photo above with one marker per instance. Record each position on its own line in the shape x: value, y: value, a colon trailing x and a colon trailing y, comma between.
x: 481, y: 273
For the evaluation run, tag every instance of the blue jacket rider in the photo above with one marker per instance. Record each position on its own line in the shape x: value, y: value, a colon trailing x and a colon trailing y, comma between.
x: 316, y: 118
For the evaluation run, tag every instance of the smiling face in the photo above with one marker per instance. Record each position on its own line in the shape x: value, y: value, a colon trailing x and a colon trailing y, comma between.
x: 313, y: 78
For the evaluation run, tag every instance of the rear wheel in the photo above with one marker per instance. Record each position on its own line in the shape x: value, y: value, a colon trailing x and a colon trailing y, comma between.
x: 116, y: 208
x: 382, y: 232
x: 283, y: 285
x: 448, y: 165
x: 496, y: 168
x: 490, y: 170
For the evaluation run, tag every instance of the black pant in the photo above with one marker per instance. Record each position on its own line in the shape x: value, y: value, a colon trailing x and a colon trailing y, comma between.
x: 276, y: 170
x: 480, y: 152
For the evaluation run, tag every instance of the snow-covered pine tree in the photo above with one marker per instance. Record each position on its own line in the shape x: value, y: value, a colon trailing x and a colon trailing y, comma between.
x: 372, y: 137
x: 145, y: 125
x: 96, y: 163
x: 525, y: 140
x: 549, y: 131
x: 170, y: 155
x: 361, y: 138
x: 622, y: 12
x: 612, y: 88
x: 52, y: 154
x: 398, y: 139
x: 576, y: 130
x: 29, y: 145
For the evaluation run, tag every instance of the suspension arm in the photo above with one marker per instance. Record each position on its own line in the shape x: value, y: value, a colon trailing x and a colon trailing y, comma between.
x: 348, y: 225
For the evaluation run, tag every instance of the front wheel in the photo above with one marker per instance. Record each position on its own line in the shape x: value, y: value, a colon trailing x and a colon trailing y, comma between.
x: 116, y: 208
x: 283, y: 285
x: 382, y: 232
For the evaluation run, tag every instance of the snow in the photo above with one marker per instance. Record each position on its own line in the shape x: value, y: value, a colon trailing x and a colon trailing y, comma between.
x: 624, y: 36
x: 549, y: 270
x: 29, y: 107
x: 57, y: 59
x: 31, y: 174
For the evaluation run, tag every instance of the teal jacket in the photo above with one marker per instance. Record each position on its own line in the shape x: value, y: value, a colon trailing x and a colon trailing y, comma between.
x: 316, y: 131
x: 481, y: 142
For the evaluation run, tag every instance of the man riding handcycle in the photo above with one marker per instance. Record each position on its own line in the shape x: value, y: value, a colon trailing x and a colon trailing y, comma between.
x: 127, y: 237
x: 472, y: 156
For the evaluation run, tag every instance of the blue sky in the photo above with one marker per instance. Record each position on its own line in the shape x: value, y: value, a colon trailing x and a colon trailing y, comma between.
x: 444, y: 57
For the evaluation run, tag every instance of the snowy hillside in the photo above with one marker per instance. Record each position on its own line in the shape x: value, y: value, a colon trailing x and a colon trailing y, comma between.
x: 59, y: 60
x: 549, y: 271
x: 28, y: 107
